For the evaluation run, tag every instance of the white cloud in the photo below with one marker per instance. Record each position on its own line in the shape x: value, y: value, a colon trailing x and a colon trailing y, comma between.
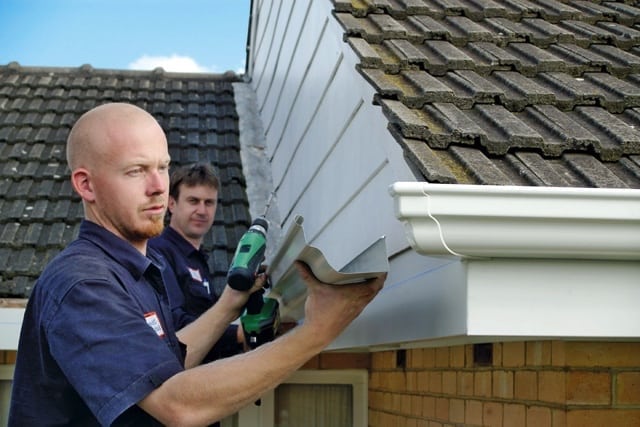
x: 173, y: 63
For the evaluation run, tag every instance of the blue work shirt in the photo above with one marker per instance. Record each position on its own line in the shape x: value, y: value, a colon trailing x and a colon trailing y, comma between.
x: 191, y: 269
x: 192, y: 292
x: 97, y: 337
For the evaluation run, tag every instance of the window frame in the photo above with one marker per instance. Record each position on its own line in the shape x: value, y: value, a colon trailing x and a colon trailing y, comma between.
x: 264, y: 414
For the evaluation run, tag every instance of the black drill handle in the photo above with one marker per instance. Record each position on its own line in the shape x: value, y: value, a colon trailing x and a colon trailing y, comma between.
x: 255, y: 302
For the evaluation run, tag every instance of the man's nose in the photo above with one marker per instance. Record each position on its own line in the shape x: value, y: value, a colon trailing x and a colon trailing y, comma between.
x: 201, y: 208
x: 158, y: 182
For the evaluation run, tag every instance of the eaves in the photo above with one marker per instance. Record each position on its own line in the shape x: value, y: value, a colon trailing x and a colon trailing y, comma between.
x: 496, y: 263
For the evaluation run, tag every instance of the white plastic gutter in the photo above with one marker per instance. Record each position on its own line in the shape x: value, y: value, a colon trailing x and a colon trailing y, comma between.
x: 472, y: 221
x: 291, y: 292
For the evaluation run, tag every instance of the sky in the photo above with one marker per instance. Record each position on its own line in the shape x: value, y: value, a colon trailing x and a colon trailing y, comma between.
x: 179, y: 35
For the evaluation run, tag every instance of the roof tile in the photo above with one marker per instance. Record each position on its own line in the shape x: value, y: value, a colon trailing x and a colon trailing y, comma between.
x: 5, y: 254
x: 505, y: 92
x: 34, y: 231
x: 518, y: 91
x: 431, y: 166
x: 8, y: 234
x: 478, y: 165
x: 595, y: 172
x: 40, y: 213
x: 537, y: 170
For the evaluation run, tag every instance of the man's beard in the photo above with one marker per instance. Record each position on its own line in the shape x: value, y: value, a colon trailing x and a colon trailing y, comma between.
x: 151, y: 229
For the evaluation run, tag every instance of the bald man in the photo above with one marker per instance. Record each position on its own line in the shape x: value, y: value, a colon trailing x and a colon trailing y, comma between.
x: 98, y: 344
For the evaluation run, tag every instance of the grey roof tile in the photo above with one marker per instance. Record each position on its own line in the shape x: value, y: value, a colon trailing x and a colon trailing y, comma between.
x: 612, y: 131
x: 23, y: 260
x: 40, y: 213
x: 593, y: 171
x: 516, y: 92
x: 463, y: 30
x: 478, y: 165
x: 536, y: 169
x: 625, y: 13
x: 555, y: 11
x: 490, y: 57
x: 33, y: 233
x: 558, y: 130
x: 440, y: 123
x: 533, y: 60
x: 503, y: 129
x: 471, y: 88
x: 429, y: 163
x: 428, y: 27
x: 5, y: 253
x: 579, y: 60
x: 8, y: 234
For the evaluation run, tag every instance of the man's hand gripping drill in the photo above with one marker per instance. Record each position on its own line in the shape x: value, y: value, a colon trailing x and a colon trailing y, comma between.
x: 261, y: 318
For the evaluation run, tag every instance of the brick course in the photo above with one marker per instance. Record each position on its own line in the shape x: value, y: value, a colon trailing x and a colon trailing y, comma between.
x: 8, y: 357
x: 532, y: 383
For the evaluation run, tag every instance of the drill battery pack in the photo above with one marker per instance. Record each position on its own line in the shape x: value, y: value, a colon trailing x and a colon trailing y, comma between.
x: 261, y: 327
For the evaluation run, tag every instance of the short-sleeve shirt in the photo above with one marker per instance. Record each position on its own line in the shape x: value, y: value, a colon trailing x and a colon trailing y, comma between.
x: 96, y: 338
x: 192, y: 292
x: 191, y: 269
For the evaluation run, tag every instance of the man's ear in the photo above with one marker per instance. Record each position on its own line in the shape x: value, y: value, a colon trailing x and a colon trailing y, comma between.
x: 171, y: 205
x: 81, y: 181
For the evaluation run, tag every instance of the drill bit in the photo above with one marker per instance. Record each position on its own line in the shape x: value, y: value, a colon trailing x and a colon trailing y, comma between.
x: 266, y: 208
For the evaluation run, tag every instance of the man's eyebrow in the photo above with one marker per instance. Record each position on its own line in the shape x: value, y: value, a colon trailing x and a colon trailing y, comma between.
x: 142, y: 161
x: 206, y: 199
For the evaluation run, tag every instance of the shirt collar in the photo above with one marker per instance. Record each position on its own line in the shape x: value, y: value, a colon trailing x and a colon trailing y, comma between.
x: 183, y: 244
x: 115, y: 247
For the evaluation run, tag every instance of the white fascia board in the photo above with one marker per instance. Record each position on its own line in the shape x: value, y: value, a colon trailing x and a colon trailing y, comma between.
x: 472, y: 221
x: 10, y: 324
x: 443, y: 301
x: 553, y: 298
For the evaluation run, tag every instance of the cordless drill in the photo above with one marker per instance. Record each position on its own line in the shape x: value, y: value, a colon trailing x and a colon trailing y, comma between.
x: 261, y: 317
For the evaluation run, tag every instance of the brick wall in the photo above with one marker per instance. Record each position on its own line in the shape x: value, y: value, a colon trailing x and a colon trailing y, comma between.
x: 339, y: 361
x: 536, y: 383
x: 7, y: 357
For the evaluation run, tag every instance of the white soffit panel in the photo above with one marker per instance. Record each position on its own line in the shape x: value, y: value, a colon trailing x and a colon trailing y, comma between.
x: 291, y: 292
x: 474, y: 221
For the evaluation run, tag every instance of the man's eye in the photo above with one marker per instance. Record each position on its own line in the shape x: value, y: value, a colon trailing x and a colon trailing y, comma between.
x: 135, y: 172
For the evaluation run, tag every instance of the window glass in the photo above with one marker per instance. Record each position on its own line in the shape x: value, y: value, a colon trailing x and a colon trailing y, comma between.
x: 314, y: 405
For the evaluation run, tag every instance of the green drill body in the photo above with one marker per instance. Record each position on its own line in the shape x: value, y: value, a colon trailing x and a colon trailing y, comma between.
x: 261, y: 318
x: 249, y: 255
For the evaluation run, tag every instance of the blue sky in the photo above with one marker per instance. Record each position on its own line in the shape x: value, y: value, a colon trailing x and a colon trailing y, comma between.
x: 179, y: 35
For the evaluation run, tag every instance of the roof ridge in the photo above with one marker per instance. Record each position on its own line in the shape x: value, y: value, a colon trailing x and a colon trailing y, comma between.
x: 88, y: 69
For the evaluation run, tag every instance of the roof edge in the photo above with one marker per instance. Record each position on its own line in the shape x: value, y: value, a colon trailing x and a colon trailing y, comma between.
x: 230, y: 76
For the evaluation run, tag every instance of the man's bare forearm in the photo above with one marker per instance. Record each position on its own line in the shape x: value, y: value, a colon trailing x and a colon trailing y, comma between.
x: 210, y: 392
x: 201, y: 335
x: 220, y: 388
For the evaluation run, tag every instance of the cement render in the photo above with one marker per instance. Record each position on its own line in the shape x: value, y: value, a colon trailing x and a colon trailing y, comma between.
x: 255, y: 163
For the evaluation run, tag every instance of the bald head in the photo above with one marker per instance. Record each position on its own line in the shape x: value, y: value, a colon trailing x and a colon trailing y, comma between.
x: 119, y: 163
x: 92, y: 135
